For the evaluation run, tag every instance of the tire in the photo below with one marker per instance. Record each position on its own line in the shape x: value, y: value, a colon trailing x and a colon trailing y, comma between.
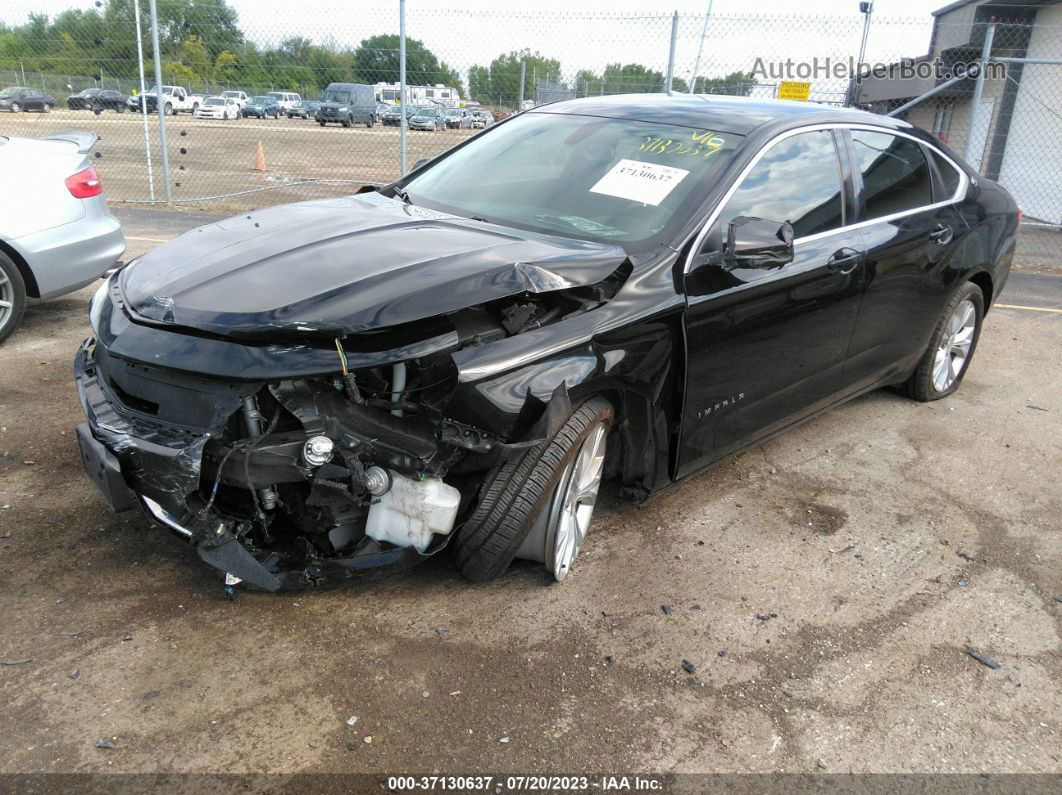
x: 925, y: 383
x: 369, y: 123
x: 15, y: 107
x: 517, y: 491
x: 321, y: 123
x: 47, y: 107
x: 13, y: 292
x: 168, y: 109
x: 119, y: 109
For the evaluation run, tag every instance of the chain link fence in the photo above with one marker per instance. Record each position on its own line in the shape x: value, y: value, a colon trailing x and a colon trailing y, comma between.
x: 500, y: 61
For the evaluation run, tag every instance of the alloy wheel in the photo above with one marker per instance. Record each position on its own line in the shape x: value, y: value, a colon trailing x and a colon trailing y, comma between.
x: 7, y: 299
x: 573, y: 503
x: 954, y: 346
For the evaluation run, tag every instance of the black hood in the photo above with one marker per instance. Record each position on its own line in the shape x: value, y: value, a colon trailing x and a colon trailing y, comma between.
x: 340, y: 266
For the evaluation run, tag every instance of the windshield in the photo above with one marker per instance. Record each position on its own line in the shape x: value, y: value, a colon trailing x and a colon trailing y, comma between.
x: 453, y: 113
x: 580, y: 176
x: 260, y: 100
x: 233, y: 94
x: 424, y: 112
x: 214, y: 101
x: 337, y: 96
x: 89, y: 92
x: 8, y: 92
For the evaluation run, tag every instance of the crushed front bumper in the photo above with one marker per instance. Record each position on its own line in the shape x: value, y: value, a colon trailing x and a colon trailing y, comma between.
x: 135, y: 460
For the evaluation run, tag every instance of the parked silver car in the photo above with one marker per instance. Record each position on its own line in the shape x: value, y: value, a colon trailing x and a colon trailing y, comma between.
x: 56, y: 233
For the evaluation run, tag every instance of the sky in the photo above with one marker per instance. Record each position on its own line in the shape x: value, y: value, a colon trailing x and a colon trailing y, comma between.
x: 591, y: 33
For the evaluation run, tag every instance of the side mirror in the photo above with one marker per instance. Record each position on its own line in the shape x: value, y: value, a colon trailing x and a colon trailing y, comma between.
x: 757, y: 243
x: 419, y: 163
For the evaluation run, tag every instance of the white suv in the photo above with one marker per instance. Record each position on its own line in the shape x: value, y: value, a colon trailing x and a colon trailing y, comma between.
x: 286, y: 100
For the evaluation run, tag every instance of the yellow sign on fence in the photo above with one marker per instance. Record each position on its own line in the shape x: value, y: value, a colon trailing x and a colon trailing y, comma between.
x: 797, y: 91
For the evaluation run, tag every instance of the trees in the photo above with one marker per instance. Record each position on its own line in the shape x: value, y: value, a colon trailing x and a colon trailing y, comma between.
x: 499, y: 83
x: 376, y: 61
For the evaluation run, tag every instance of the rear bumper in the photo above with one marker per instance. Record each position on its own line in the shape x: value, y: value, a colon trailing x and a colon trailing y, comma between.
x: 66, y: 258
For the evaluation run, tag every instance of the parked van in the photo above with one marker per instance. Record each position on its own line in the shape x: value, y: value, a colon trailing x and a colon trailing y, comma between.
x: 347, y: 103
x: 286, y: 100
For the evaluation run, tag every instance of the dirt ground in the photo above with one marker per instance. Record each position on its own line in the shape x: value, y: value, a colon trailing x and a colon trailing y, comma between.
x: 826, y: 588
x: 209, y: 158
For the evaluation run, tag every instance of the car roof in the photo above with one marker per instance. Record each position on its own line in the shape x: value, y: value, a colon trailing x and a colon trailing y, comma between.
x: 737, y: 115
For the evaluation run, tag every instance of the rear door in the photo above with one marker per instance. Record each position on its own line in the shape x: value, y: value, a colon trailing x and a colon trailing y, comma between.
x: 911, y: 229
x: 767, y: 347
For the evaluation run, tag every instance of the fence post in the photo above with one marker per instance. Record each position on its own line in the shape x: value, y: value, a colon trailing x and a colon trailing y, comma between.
x: 671, y: 53
x: 979, y: 87
x: 159, y: 104
x: 402, y: 85
x: 700, y: 49
x: 143, y: 100
x: 523, y: 72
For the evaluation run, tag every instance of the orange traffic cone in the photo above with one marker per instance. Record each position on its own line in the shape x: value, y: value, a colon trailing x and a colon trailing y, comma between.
x: 259, y: 158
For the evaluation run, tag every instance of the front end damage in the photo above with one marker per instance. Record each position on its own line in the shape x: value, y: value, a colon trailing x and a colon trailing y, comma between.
x: 308, y: 477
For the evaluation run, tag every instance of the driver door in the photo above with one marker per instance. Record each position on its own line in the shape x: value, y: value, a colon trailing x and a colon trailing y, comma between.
x: 766, y: 347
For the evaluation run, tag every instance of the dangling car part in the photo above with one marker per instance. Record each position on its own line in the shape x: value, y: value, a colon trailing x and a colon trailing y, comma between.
x: 593, y: 289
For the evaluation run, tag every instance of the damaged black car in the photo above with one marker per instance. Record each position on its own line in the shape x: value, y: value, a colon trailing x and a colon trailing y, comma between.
x: 628, y: 287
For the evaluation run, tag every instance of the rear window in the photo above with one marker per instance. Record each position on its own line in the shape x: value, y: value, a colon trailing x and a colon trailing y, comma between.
x: 895, y: 173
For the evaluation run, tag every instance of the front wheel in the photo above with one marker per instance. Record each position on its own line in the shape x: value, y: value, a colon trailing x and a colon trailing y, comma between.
x: 321, y: 123
x: 47, y: 107
x: 168, y: 109
x: 538, y: 504
x: 15, y: 107
x: 951, y: 347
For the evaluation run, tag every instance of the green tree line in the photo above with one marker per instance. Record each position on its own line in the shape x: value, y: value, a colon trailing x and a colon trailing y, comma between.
x: 202, y: 46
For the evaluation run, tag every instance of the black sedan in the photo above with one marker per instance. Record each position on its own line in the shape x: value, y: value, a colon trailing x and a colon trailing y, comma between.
x: 97, y: 99
x: 262, y: 107
x: 631, y: 286
x: 18, y: 99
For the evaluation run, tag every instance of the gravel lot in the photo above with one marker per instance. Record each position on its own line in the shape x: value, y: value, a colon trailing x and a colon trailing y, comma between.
x: 825, y: 587
x: 209, y: 158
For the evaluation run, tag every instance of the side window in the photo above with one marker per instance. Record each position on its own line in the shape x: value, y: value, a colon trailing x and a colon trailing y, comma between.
x: 948, y: 177
x: 796, y: 180
x: 895, y: 173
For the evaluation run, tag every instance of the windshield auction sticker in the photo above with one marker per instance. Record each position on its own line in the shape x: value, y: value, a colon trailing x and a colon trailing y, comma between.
x: 648, y: 183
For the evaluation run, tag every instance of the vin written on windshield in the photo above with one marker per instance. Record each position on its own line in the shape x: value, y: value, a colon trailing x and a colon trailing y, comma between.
x: 615, y: 180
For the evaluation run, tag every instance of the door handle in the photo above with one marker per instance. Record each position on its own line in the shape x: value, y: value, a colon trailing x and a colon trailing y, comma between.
x: 942, y: 234
x: 844, y: 260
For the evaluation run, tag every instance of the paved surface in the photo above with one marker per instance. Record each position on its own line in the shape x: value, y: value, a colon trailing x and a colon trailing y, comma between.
x: 825, y: 586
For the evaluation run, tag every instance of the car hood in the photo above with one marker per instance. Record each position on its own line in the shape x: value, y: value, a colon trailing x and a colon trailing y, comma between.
x: 335, y: 267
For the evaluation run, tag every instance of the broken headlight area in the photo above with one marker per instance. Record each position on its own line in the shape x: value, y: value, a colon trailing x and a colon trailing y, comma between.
x: 291, y: 483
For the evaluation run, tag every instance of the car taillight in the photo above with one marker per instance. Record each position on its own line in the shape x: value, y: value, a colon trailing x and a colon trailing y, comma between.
x: 84, y: 184
x: 1020, y: 215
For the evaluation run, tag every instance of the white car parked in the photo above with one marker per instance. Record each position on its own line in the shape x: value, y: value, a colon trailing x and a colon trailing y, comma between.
x: 286, y: 100
x: 56, y: 233
x: 218, y: 108
x: 239, y: 96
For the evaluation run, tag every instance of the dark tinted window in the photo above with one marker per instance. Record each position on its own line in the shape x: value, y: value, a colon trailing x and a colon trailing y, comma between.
x: 948, y: 178
x: 895, y: 173
x: 797, y: 180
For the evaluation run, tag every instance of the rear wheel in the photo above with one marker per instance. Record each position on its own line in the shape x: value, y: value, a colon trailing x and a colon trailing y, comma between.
x: 168, y: 109
x: 12, y: 296
x: 47, y: 107
x: 539, y: 504
x: 15, y: 107
x: 951, y: 347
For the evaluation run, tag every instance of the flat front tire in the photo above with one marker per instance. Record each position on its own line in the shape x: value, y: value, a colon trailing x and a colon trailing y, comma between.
x: 12, y: 296
x: 538, y: 503
x: 951, y: 348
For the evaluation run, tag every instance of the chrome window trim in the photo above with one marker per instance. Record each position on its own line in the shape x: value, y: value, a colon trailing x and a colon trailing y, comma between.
x: 713, y: 216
